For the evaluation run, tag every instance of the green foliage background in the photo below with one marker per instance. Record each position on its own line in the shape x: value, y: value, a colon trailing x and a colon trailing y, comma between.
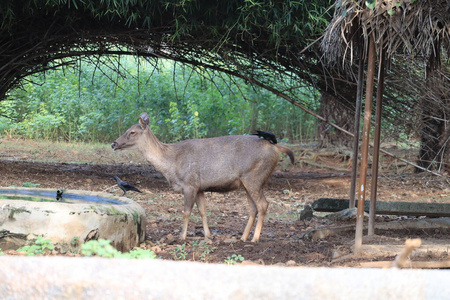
x: 98, y: 102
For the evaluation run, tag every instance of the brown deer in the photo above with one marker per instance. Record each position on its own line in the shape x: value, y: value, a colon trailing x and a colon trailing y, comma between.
x: 219, y: 164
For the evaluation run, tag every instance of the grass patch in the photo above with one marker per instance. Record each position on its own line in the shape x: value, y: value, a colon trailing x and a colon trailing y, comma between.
x: 64, y: 152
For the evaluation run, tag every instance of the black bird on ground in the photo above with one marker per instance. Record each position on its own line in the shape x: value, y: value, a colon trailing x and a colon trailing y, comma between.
x: 267, y: 136
x: 125, y: 186
x: 59, y: 195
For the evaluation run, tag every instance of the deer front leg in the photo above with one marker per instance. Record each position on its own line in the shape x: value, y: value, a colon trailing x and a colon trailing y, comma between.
x: 189, y: 200
x: 201, y: 204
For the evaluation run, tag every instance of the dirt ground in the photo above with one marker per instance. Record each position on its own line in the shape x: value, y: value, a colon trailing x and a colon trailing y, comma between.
x: 317, y: 174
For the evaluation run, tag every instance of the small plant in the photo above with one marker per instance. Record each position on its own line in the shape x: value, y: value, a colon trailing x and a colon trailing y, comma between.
x: 30, y: 184
x: 233, y: 259
x: 1, y: 252
x: 103, y: 248
x: 75, y: 240
x: 195, y: 249
x: 179, y: 253
x: 202, y: 250
x: 99, y: 247
x: 75, y: 243
x: 40, y: 246
x: 140, y: 253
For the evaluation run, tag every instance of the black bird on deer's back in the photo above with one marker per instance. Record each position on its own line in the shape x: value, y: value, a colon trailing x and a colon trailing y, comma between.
x: 266, y: 135
x: 124, y: 186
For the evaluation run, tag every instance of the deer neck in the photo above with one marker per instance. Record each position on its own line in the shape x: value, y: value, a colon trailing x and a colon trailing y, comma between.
x: 156, y: 152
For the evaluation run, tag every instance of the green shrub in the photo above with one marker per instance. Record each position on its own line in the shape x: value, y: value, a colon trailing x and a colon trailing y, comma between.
x: 103, y: 248
x: 78, y: 105
x: 40, y: 247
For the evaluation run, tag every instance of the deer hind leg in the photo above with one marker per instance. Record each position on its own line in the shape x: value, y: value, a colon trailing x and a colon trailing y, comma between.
x: 253, y: 211
x: 262, y: 205
x: 258, y: 207
x: 189, y: 200
x: 201, y: 204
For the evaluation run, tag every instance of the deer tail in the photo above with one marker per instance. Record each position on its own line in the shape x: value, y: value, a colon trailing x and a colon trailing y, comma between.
x: 287, y: 151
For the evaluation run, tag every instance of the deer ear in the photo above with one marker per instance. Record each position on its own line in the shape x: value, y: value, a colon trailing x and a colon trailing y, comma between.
x: 144, y: 120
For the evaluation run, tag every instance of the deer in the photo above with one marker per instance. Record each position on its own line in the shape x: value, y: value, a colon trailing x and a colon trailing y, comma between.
x: 218, y: 164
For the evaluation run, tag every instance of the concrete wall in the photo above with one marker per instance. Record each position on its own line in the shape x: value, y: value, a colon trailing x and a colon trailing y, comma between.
x: 98, y: 278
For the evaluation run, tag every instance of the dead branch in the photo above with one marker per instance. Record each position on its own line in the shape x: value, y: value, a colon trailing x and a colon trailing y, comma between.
x: 401, y: 259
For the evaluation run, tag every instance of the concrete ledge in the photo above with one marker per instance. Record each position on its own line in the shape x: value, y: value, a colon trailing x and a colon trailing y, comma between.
x: 387, y: 207
x: 97, y: 278
x: 437, y: 223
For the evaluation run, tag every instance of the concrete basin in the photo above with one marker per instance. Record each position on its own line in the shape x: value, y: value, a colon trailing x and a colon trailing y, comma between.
x: 79, y: 216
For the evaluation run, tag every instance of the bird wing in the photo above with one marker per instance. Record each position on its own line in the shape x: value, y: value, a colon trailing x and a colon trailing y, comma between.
x: 130, y: 187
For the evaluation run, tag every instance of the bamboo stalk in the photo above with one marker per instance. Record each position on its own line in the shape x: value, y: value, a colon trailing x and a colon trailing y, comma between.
x: 365, y: 146
x: 376, y: 147
x: 356, y: 127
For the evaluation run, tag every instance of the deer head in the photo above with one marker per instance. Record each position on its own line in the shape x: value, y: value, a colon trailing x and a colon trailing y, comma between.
x: 129, y: 140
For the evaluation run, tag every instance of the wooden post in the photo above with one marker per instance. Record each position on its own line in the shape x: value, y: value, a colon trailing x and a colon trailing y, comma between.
x: 365, y: 145
x: 356, y: 129
x: 376, y: 142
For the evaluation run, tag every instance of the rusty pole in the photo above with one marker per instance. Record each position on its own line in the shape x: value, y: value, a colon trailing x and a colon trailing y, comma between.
x: 376, y: 142
x: 365, y: 145
x: 359, y: 94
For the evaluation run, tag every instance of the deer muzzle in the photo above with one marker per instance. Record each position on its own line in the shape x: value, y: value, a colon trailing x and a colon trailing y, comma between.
x: 115, y: 146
